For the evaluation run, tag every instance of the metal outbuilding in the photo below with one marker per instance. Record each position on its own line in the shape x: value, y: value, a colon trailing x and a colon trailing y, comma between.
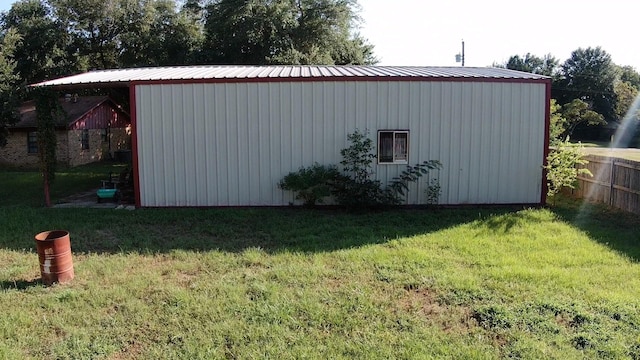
x: 226, y: 135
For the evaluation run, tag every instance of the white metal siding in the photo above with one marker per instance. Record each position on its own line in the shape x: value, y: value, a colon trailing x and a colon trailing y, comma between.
x: 231, y: 143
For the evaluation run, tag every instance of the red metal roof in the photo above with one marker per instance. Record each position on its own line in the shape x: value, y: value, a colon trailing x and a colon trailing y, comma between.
x: 124, y: 77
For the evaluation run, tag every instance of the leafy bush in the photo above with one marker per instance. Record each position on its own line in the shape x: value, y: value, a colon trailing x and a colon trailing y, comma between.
x: 562, y: 170
x: 359, y: 194
x: 357, y: 158
x: 356, y: 188
x: 399, y: 185
x: 433, y: 192
x: 311, y: 184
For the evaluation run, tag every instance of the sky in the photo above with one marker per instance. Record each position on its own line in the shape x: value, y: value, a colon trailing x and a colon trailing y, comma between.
x: 430, y: 32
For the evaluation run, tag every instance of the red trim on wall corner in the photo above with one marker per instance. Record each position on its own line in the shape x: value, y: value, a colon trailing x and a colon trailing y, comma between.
x: 134, y: 145
x: 547, y: 125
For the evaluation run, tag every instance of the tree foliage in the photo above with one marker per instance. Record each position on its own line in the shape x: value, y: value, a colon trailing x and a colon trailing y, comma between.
x: 356, y: 187
x: 9, y: 83
x: 45, y: 50
x: 157, y: 34
x: 626, y: 93
x: 563, y: 166
x: 96, y: 26
x: 588, y: 75
x: 311, y: 184
x: 565, y: 119
x: 546, y: 65
x: 578, y: 112
x: 48, y: 111
x: 629, y: 75
x: 284, y: 32
x: 557, y: 123
x: 565, y: 160
x: 61, y: 37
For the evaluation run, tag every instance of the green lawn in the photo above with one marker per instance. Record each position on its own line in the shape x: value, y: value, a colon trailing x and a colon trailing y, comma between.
x: 24, y: 186
x: 603, y: 149
x: 628, y: 154
x: 559, y: 283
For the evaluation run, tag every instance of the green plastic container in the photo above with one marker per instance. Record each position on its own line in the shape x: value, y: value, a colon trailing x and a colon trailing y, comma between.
x: 107, y: 193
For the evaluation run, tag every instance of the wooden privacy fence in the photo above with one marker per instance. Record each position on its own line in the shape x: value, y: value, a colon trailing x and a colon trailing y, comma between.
x: 615, y: 182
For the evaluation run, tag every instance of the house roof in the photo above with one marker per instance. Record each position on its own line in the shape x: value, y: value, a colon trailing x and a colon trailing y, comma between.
x: 228, y: 73
x: 74, y: 111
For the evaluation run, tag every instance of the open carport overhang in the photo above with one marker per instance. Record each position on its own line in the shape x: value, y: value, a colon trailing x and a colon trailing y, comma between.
x: 68, y: 83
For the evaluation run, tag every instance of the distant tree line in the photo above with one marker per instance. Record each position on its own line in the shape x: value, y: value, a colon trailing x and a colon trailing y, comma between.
x: 44, y: 39
x: 59, y: 37
x: 591, y: 95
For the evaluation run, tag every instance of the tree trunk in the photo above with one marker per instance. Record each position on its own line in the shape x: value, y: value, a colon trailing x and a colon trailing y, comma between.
x: 47, y: 195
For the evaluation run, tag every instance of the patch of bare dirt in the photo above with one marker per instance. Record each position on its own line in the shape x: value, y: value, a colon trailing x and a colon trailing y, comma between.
x: 424, y: 301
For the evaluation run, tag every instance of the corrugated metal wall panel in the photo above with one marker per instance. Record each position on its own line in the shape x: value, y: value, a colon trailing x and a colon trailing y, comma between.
x: 231, y: 143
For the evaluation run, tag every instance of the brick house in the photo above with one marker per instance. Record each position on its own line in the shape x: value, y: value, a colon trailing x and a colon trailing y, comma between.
x: 94, y: 128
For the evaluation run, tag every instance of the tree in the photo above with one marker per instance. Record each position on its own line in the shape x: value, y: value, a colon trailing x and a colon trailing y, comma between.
x: 48, y: 111
x: 564, y: 119
x: 578, y: 112
x: 45, y: 50
x: 558, y: 124
x: 564, y: 159
x: 546, y: 65
x: 284, y: 32
x: 157, y: 34
x: 629, y: 75
x: 628, y: 111
x: 95, y: 26
x: 562, y: 168
x: 133, y: 33
x: 626, y: 93
x: 9, y: 83
x: 588, y: 75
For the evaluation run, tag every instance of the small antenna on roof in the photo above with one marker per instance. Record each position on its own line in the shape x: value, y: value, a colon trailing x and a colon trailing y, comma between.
x: 460, y: 56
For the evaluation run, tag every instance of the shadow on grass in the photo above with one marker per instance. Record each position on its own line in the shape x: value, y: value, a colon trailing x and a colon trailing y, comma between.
x: 287, y: 229
x: 23, y: 187
x: 503, y: 223
x: 19, y: 284
x: 232, y: 230
x: 613, y: 228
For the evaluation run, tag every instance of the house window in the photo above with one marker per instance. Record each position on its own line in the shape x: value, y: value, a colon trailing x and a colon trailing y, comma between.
x: 84, y: 139
x: 393, y: 146
x: 32, y: 142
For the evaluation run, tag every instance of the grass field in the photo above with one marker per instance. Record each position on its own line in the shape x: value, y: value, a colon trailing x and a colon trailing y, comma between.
x: 559, y: 283
x: 628, y: 154
x: 24, y: 187
x: 603, y: 149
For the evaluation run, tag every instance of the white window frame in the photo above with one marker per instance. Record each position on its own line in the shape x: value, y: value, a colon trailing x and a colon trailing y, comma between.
x: 396, y: 158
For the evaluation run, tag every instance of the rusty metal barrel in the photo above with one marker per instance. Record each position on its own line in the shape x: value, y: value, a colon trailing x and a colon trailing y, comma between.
x: 54, y: 252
